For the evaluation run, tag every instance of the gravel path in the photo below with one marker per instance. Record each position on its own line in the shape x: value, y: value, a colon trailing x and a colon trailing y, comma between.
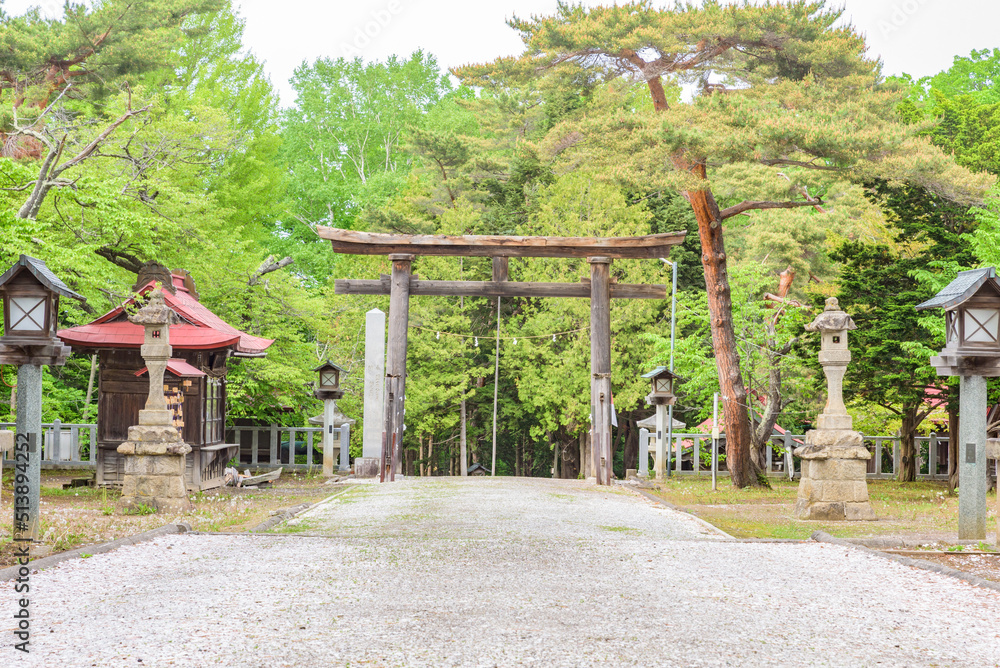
x: 487, y: 572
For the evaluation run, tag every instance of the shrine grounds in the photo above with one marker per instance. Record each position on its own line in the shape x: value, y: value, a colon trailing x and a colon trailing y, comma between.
x: 911, y: 512
x: 500, y: 572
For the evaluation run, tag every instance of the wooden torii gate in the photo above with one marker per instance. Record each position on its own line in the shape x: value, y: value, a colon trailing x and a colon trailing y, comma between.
x: 401, y: 250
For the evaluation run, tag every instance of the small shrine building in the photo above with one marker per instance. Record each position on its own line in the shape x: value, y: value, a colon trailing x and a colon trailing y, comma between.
x: 194, y: 382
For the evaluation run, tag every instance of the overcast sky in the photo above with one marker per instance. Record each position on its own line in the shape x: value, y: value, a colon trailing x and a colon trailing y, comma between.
x: 918, y: 37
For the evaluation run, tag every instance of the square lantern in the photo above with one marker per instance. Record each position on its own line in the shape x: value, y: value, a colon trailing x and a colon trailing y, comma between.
x: 663, y: 386
x: 30, y: 294
x: 972, y: 324
x: 329, y: 381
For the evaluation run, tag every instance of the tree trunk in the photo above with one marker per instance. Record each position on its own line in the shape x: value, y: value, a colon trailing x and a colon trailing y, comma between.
x: 430, y: 454
x: 420, y: 440
x: 953, y: 419
x: 631, y: 458
x: 90, y: 388
x: 555, y: 454
x: 713, y: 260
x: 464, y: 455
x: 907, y: 450
x: 727, y: 361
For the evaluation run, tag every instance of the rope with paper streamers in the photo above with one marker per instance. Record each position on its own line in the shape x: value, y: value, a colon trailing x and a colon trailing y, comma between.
x: 475, y: 337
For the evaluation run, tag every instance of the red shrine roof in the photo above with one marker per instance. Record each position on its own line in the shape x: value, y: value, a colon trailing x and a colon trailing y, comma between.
x: 179, y: 368
x: 199, y: 329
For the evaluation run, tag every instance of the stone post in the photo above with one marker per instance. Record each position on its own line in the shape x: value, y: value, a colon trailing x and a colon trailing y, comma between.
x: 660, y: 456
x: 29, y: 428
x: 834, y: 482
x: 154, y: 452
x: 371, y: 448
x: 973, y: 473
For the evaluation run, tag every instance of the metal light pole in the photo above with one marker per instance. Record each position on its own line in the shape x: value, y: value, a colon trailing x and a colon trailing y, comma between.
x: 673, y: 325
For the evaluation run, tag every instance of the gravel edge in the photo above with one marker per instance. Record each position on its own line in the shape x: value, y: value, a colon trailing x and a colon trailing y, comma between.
x: 289, y: 513
x: 98, y: 548
x: 823, y: 537
x: 655, y: 499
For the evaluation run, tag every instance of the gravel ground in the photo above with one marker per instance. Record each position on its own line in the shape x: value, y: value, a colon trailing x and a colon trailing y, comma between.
x: 447, y: 572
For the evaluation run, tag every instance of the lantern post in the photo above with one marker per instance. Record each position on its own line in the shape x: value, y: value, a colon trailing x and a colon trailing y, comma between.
x: 30, y: 294
x: 329, y: 391
x: 662, y: 396
x: 972, y: 352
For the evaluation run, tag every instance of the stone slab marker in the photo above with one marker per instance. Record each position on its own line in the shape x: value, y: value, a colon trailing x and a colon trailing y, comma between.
x: 834, y: 483
x: 371, y: 449
x: 154, y: 452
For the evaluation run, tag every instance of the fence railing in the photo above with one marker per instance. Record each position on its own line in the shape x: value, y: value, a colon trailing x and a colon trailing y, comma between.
x: 685, y: 457
x: 273, y: 446
x: 64, y: 445
x: 265, y: 447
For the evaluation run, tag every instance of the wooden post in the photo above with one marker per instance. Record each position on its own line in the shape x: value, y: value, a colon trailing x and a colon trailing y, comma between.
x: 399, y: 316
x: 600, y: 366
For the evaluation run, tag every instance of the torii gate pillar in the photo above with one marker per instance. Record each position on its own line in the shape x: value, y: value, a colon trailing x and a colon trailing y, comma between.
x: 600, y: 367
x: 395, y: 385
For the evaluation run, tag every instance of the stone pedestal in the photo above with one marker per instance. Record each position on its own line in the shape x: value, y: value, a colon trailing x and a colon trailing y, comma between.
x: 366, y: 467
x: 154, y: 465
x: 834, y: 485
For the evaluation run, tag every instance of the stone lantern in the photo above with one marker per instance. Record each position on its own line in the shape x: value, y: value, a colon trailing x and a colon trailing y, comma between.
x: 971, y: 305
x: 834, y: 482
x: 154, y: 452
x: 329, y: 391
x: 663, y: 397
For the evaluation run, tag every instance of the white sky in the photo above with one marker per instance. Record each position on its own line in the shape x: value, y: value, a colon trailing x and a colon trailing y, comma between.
x: 918, y: 37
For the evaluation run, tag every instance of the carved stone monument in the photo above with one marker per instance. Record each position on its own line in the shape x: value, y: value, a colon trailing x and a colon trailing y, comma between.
x: 834, y: 460
x: 154, y: 452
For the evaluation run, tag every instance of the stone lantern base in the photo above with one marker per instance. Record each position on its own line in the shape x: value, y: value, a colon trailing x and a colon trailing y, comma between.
x: 834, y: 484
x: 155, y: 458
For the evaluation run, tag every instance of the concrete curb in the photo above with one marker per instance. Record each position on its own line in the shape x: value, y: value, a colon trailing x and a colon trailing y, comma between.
x: 823, y: 537
x: 656, y: 499
x: 282, y: 516
x: 289, y: 513
x: 98, y: 548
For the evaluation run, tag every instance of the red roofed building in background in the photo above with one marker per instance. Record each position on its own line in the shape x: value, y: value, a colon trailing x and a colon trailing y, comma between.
x: 195, y: 381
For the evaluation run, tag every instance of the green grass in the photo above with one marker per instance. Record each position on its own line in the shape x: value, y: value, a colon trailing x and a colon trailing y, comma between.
x: 903, y: 509
x: 621, y: 529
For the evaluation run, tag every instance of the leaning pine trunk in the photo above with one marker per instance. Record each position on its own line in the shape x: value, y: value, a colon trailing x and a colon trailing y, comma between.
x: 713, y: 260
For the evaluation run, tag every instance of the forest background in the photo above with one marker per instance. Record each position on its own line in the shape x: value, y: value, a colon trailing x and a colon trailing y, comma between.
x: 147, y: 131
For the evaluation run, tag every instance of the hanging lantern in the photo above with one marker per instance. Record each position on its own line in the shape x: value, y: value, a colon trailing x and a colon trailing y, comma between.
x: 30, y: 294
x: 972, y: 324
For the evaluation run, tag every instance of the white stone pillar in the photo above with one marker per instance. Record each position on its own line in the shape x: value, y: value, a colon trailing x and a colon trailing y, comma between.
x: 374, y: 417
x: 329, y: 405
x: 643, y: 453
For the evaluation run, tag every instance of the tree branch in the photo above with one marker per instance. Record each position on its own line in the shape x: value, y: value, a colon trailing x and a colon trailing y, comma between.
x: 752, y: 204
x: 798, y: 163
x: 267, y: 266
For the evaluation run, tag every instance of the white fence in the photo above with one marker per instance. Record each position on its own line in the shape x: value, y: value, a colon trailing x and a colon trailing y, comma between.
x: 67, y: 446
x: 685, y: 457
